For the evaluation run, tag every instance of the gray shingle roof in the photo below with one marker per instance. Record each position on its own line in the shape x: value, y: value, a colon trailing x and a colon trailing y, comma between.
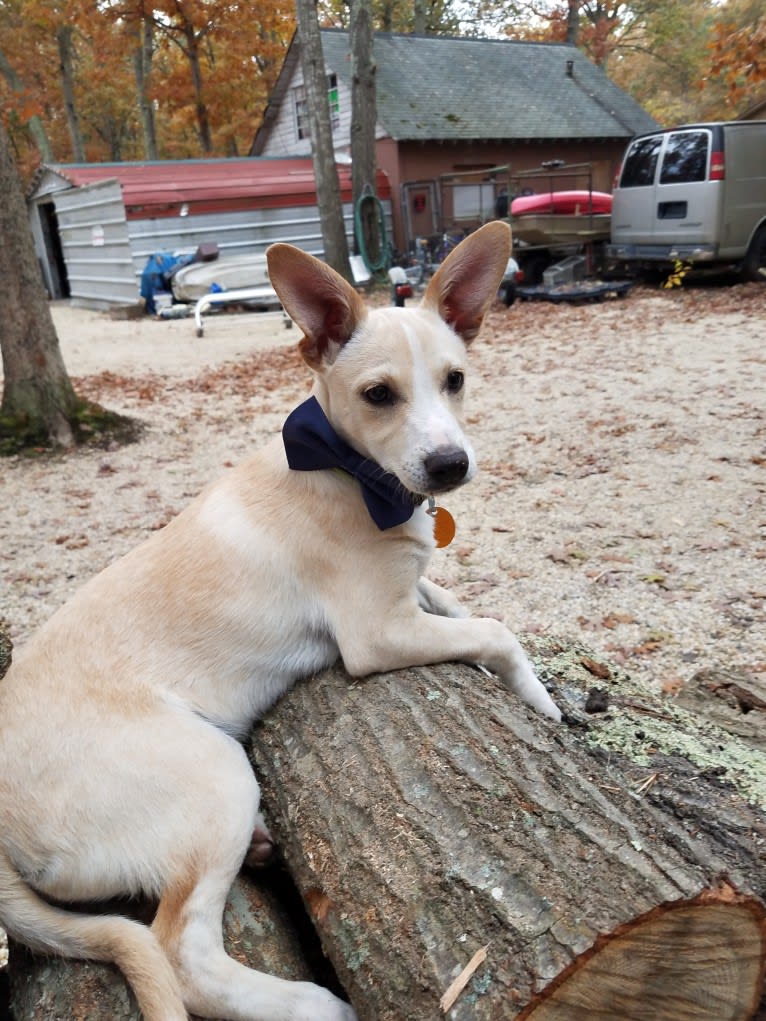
x: 436, y: 87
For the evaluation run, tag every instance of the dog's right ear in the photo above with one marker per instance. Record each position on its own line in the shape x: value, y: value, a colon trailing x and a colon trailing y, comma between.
x: 322, y: 303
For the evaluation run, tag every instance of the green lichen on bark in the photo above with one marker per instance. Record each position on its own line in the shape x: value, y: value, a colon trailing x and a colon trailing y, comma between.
x: 643, y: 725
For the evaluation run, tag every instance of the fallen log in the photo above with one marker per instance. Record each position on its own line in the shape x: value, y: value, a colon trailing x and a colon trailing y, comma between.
x: 611, y: 867
x: 461, y: 856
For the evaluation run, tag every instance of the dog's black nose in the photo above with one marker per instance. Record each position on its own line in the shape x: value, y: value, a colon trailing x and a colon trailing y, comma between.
x: 446, y: 467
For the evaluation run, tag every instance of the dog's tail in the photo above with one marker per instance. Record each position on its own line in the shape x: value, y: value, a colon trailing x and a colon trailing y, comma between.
x: 133, y: 947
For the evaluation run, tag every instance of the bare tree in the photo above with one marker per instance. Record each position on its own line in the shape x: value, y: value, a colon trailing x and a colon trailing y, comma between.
x: 322, y: 152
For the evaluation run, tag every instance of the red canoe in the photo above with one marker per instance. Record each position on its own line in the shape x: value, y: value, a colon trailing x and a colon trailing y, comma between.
x: 563, y: 203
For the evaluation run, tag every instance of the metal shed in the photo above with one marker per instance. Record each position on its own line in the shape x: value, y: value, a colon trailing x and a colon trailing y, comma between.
x: 96, y: 224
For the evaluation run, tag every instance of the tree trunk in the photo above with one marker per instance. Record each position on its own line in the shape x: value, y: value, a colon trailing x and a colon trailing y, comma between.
x: 573, y: 22
x: 66, y: 67
x: 322, y: 152
x: 203, y: 119
x: 37, y: 393
x: 142, y: 66
x: 430, y: 819
x: 420, y: 17
x: 363, y: 120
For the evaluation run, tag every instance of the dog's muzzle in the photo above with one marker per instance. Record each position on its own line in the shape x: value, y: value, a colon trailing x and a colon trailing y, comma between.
x: 446, y: 468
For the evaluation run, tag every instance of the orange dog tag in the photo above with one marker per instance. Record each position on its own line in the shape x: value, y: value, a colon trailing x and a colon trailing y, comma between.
x: 444, y: 525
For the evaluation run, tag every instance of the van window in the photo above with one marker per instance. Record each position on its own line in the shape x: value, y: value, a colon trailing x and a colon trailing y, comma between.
x: 685, y: 157
x: 641, y: 162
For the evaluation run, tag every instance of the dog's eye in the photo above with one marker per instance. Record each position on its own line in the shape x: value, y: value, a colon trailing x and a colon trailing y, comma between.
x: 455, y: 380
x: 379, y: 394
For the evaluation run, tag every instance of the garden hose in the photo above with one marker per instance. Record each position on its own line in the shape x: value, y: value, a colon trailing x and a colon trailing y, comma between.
x: 368, y: 205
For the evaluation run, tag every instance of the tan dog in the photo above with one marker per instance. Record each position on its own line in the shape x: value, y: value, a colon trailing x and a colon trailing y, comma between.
x: 121, y: 768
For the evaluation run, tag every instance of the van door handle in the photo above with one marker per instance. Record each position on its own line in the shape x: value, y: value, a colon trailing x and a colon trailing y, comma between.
x: 671, y: 211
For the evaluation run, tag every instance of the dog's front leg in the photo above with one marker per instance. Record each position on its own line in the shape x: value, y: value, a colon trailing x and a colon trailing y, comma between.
x: 415, y: 637
x: 434, y: 599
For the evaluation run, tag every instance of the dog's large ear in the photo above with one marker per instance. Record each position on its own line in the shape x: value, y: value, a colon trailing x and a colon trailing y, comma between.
x: 322, y: 303
x: 466, y: 283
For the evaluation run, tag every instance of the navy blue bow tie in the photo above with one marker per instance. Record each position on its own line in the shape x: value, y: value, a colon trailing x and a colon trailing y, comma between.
x: 312, y: 444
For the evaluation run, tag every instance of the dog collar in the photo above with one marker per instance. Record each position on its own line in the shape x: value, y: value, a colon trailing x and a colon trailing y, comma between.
x: 311, y: 444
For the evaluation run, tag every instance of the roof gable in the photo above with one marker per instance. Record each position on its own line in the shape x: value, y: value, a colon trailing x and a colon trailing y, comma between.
x: 460, y: 89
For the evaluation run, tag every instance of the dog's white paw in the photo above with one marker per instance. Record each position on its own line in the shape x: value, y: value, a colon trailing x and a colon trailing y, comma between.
x: 313, y: 1003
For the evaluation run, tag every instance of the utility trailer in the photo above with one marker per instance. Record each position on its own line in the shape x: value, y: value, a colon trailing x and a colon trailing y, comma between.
x: 554, y: 214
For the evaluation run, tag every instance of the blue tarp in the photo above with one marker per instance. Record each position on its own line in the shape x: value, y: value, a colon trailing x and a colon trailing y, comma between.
x: 157, y: 275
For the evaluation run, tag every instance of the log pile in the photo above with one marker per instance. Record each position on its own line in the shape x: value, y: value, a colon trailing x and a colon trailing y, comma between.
x: 462, y: 857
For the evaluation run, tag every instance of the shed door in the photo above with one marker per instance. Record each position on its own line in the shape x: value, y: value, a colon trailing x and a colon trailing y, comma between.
x: 96, y: 245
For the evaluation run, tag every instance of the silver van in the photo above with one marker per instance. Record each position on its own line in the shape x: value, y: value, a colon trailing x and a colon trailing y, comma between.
x: 695, y: 193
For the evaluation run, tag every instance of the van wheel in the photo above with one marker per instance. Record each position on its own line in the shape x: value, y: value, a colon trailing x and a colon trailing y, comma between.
x: 754, y: 266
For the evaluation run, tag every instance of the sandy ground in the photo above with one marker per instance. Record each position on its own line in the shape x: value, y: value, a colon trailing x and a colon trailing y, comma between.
x: 91, y: 342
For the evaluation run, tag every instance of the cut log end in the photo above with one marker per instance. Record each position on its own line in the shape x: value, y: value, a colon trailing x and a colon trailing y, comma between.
x: 694, y: 960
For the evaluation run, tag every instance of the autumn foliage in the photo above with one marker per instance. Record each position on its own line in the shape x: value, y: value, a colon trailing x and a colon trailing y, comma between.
x: 203, y: 68
x: 101, y: 80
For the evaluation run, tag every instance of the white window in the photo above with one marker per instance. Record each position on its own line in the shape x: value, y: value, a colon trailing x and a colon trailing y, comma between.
x: 302, y: 126
x: 473, y: 201
x: 301, y: 113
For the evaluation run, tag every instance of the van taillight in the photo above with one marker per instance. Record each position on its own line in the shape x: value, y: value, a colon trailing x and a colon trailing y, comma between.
x: 717, y: 167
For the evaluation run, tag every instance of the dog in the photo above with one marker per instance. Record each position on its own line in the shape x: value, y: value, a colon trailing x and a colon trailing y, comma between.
x: 121, y: 764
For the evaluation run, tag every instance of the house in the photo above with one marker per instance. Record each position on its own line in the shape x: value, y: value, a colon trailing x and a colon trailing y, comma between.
x: 95, y: 225
x: 452, y: 110
x: 755, y: 111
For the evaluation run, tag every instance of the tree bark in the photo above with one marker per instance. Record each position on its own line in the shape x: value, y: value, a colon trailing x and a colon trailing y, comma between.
x: 142, y: 66
x: 5, y: 648
x: 573, y: 22
x: 322, y: 151
x: 427, y: 815
x: 420, y: 17
x: 363, y: 120
x: 66, y: 68
x: 37, y: 391
x: 200, y: 106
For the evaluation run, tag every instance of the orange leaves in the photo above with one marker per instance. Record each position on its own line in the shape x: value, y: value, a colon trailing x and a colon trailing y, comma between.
x: 237, y: 51
x: 738, y: 55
